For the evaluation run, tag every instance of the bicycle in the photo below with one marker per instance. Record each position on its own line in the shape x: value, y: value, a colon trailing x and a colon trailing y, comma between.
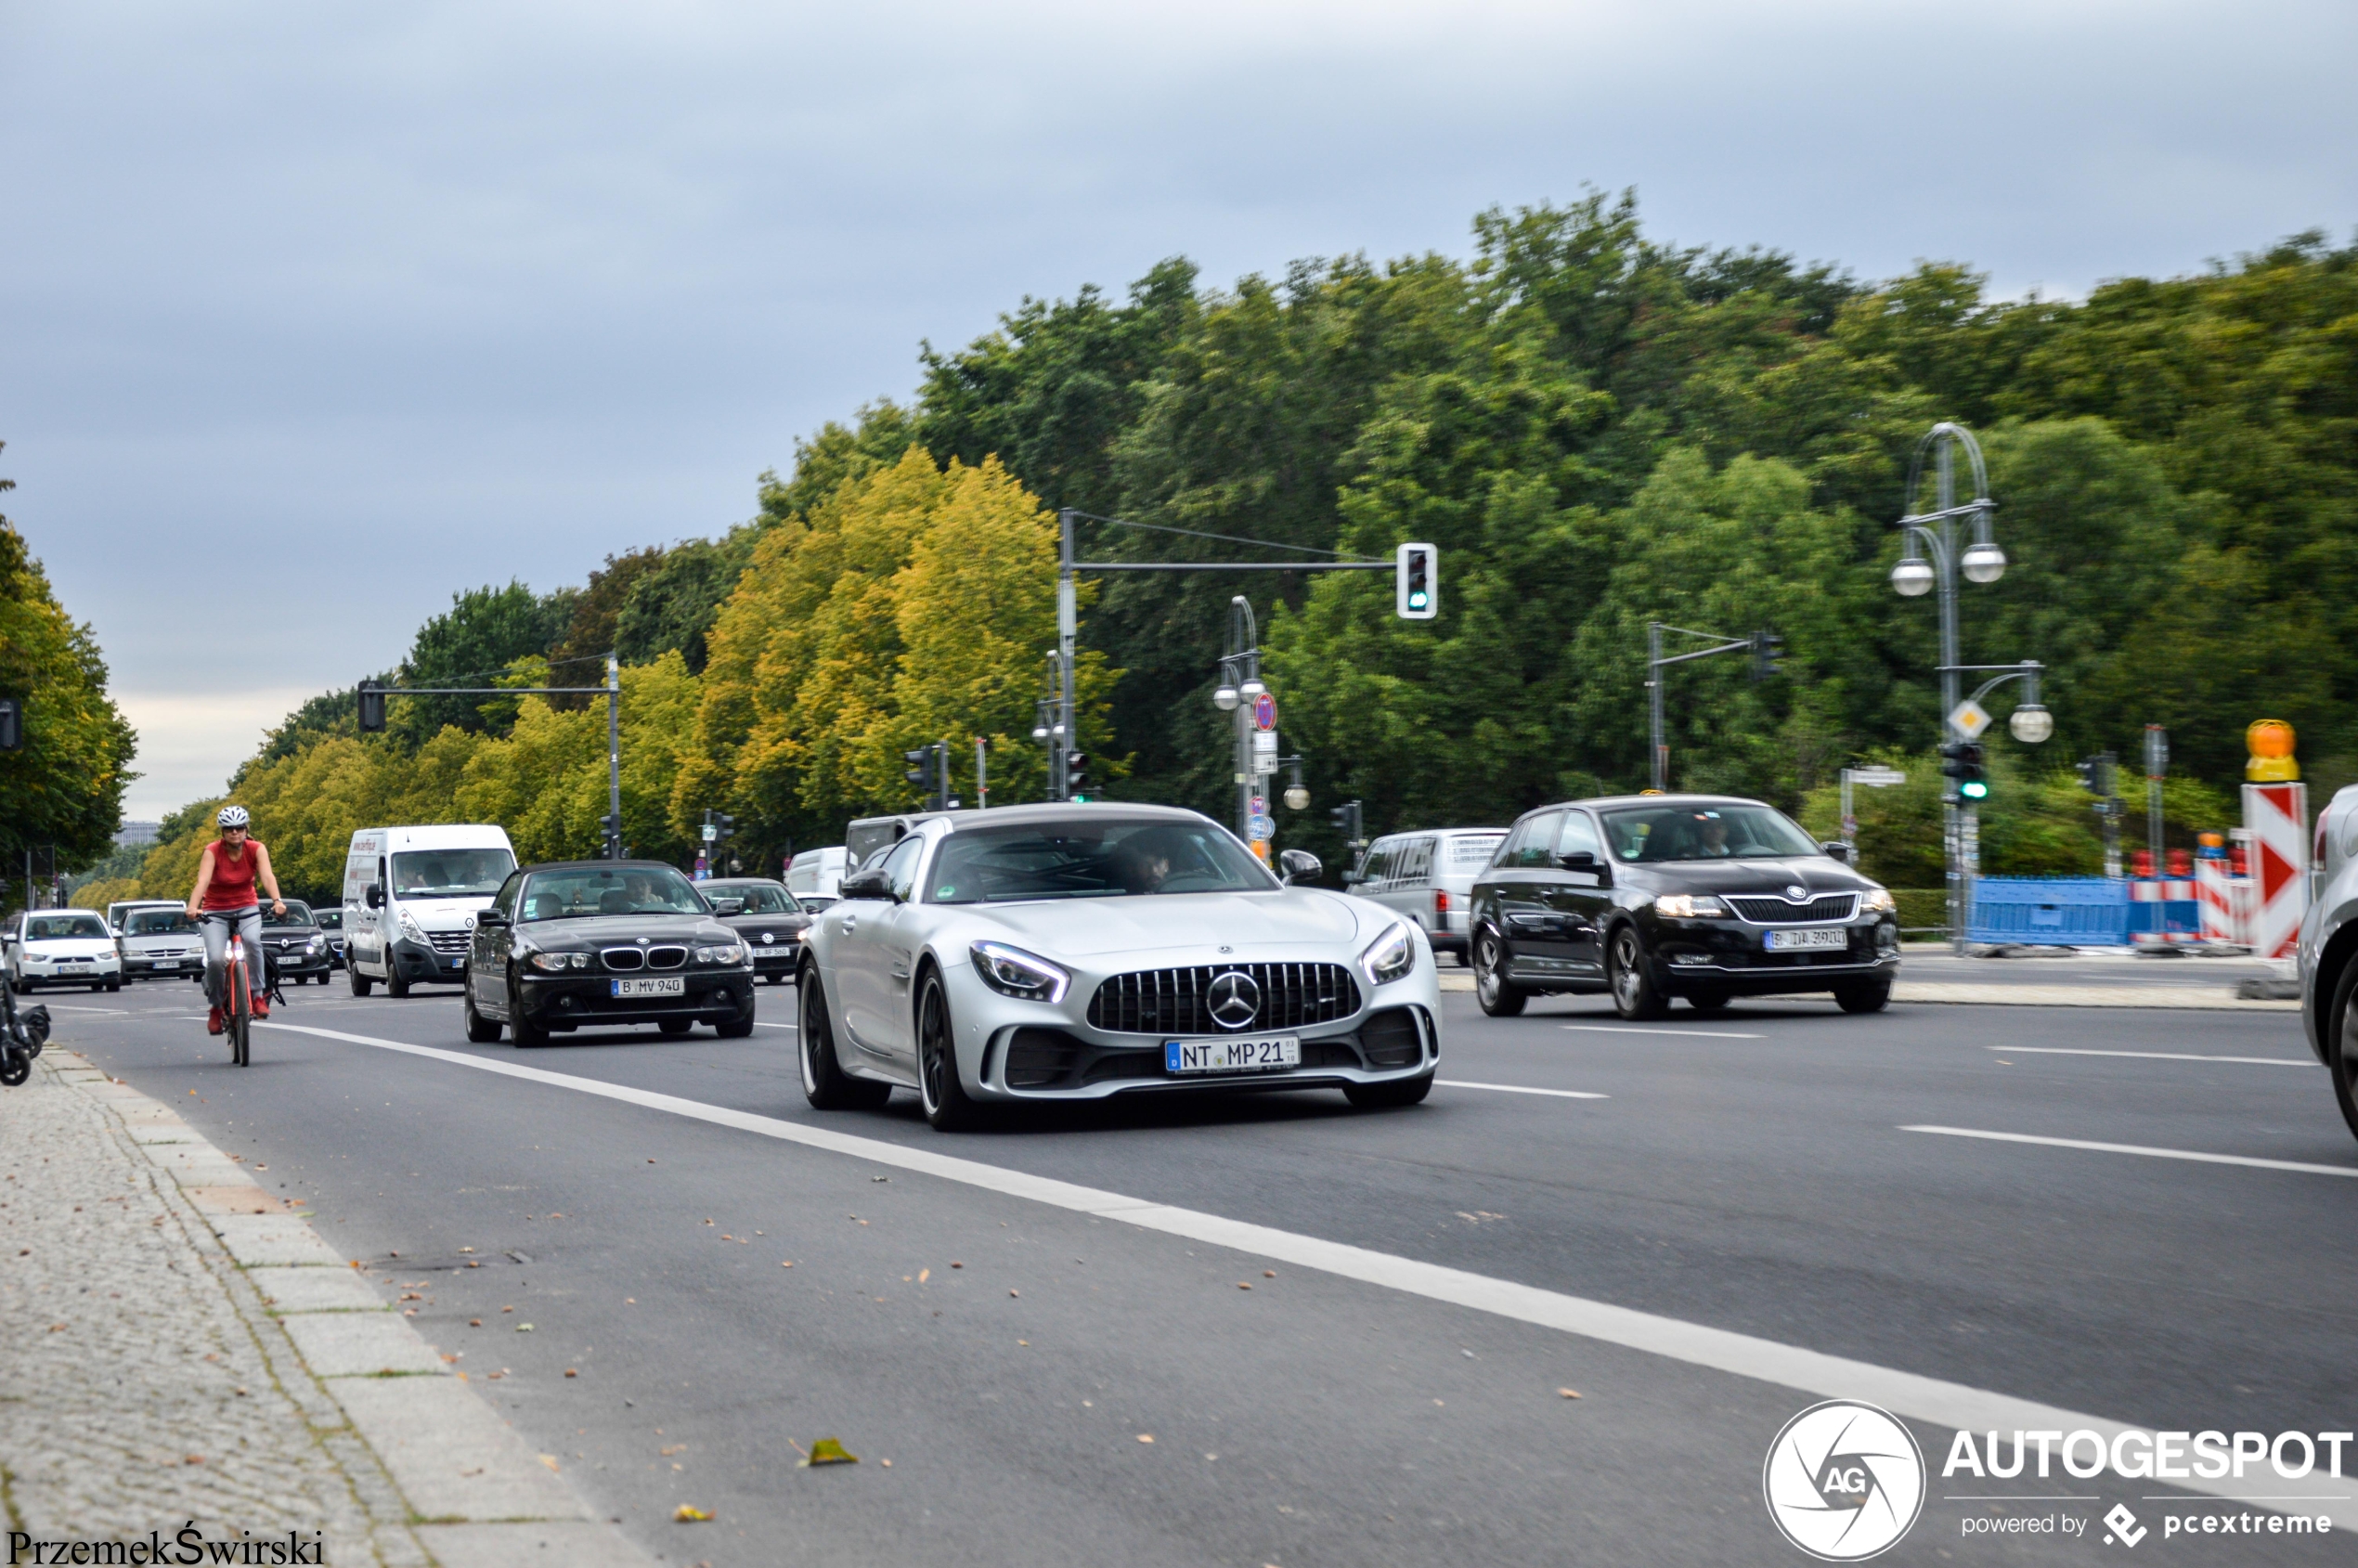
x: 237, y: 997
x: 22, y: 1035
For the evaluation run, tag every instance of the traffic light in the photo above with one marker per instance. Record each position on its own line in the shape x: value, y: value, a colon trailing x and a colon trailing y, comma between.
x: 1961, y: 760
x: 1349, y: 822
x: 723, y: 827
x: 1767, y: 649
x: 1416, y: 582
x: 2095, y: 774
x: 610, y: 825
x: 372, y: 706
x: 1076, y: 777
x: 929, y: 770
x: 11, y: 724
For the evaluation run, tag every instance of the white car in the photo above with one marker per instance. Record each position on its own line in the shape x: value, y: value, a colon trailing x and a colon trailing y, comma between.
x: 1064, y: 952
x: 160, y: 942
x: 49, y: 947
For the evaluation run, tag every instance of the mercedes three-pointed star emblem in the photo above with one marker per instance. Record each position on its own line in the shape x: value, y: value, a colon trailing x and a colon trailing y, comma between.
x: 1234, y: 1000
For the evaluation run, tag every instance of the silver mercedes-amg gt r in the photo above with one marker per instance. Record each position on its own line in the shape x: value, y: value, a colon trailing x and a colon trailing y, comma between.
x: 1076, y: 952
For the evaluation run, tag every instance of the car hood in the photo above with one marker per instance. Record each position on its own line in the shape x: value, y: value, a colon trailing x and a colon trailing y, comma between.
x: 611, y: 930
x: 70, y: 947
x: 1819, y: 874
x: 753, y: 925
x: 1089, y: 927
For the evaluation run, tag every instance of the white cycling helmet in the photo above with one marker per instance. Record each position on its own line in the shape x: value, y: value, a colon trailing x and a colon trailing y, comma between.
x: 233, y: 816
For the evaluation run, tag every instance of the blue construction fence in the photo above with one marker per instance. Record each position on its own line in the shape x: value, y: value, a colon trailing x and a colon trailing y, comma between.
x: 2070, y: 911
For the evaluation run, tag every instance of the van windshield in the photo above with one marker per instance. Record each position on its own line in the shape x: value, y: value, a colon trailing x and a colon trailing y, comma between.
x: 450, y: 874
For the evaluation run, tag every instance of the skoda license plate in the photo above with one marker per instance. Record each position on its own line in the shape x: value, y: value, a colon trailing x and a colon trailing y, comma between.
x: 1244, y: 1054
x: 1788, y: 941
x: 671, y: 985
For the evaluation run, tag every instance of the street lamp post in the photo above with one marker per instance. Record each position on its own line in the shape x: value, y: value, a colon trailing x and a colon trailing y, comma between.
x: 1241, y: 684
x: 1933, y: 560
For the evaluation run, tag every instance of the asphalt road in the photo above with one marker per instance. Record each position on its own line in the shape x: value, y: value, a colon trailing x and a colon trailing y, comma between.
x: 1752, y: 1171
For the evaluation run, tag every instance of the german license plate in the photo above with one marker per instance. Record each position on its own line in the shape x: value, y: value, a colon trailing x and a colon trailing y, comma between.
x: 671, y: 985
x: 1245, y: 1054
x: 1790, y: 941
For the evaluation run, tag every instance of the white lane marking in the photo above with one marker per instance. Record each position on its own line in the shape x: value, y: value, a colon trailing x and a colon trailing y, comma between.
x: 69, y: 1007
x: 2150, y: 1055
x: 1698, y: 1033
x: 2139, y: 1148
x: 1517, y: 1089
x: 759, y: 1024
x: 1931, y: 1400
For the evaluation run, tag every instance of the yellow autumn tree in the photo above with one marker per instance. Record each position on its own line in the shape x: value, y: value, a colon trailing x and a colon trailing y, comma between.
x: 912, y: 605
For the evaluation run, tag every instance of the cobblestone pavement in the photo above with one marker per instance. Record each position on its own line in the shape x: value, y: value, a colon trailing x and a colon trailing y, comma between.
x: 150, y: 1377
x: 139, y: 1391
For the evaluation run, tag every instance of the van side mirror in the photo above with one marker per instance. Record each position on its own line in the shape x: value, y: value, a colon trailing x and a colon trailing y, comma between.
x: 376, y: 898
x: 1836, y: 848
x: 1292, y: 864
x: 490, y: 917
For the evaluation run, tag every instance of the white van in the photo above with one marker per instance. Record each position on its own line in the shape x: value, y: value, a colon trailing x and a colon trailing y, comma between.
x: 410, y: 895
x: 815, y: 875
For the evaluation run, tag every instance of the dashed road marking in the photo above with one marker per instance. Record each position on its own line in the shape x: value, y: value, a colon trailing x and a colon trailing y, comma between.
x: 2151, y: 1056
x: 2196, y: 1155
x: 1519, y: 1089
x: 1697, y: 1033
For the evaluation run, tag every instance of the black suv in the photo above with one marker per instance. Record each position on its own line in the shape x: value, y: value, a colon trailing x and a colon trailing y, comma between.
x: 1648, y: 897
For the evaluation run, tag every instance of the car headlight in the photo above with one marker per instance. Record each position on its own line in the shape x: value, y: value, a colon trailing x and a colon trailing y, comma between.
x: 1010, y: 971
x: 1689, y: 906
x: 731, y: 953
x: 1879, y: 901
x: 1392, y: 956
x: 411, y: 928
x: 317, y: 944
x: 553, y: 962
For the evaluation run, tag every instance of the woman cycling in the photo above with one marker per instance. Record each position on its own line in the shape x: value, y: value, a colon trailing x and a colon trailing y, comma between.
x: 227, y: 872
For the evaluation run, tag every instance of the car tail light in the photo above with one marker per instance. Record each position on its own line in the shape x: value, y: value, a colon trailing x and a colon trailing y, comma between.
x: 1441, y: 900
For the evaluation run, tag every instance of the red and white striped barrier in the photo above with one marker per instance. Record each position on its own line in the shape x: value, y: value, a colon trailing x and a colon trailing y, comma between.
x: 2216, y: 892
x: 2187, y: 929
x: 2276, y: 815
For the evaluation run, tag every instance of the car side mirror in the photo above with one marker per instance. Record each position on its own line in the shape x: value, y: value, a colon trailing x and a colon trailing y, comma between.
x: 1837, y: 849
x: 376, y: 896
x: 1352, y: 879
x: 865, y: 884
x: 1292, y: 864
x: 728, y: 906
x: 1578, y: 860
x: 490, y: 917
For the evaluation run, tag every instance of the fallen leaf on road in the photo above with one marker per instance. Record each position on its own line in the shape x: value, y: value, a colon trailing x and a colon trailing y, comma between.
x: 193, y: 1459
x: 550, y: 1460
x: 828, y: 1451
x: 523, y: 1327
x: 675, y: 1448
x: 1146, y: 1437
x: 1569, y: 1393
x: 1014, y: 1292
x: 787, y: 1265
x: 886, y: 1463
x: 690, y: 1514
x: 1242, y: 1286
x: 571, y: 1373
x: 957, y: 1265
x: 923, y: 1274
x: 475, y: 1322
x: 1268, y: 1273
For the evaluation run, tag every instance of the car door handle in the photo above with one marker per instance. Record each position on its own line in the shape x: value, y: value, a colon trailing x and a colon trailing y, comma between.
x: 850, y: 923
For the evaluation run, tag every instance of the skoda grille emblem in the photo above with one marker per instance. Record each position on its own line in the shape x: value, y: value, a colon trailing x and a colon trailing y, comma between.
x: 1797, y: 892
x: 1235, y: 999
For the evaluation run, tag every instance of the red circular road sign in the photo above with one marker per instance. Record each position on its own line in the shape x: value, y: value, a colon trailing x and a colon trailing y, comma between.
x: 1265, y: 712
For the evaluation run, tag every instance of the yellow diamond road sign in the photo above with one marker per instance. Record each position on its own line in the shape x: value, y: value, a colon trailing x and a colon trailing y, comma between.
x: 1969, y: 718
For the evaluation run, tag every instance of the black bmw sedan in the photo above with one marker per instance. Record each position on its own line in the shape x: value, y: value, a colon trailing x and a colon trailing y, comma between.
x: 596, y: 943
x: 767, y: 917
x: 1652, y: 897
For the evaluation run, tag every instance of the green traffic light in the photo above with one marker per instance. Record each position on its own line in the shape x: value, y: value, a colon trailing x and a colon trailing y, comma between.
x: 1416, y: 599
x: 1974, y: 789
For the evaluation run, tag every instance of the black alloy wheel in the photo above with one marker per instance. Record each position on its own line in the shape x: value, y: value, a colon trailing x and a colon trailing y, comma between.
x: 1497, y: 995
x: 824, y: 1083
x: 520, y: 1025
x: 1635, y: 994
x: 948, y: 1109
x: 482, y: 1030
x: 2340, y: 1029
x: 1863, y: 996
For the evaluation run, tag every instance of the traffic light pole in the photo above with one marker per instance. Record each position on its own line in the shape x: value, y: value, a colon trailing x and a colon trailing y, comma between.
x: 1658, y: 744
x: 372, y: 703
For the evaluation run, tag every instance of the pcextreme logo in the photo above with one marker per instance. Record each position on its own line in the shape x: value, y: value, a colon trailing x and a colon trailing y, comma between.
x: 1844, y: 1481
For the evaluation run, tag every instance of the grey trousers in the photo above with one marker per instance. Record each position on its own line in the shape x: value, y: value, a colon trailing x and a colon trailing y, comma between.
x: 216, y: 924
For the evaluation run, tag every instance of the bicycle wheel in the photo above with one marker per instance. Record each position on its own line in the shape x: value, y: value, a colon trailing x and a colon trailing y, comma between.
x: 240, y: 1009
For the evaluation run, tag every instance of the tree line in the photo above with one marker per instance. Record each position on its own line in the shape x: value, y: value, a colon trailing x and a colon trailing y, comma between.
x: 1597, y: 430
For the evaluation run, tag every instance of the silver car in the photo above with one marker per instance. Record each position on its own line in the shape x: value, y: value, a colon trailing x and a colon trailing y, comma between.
x: 160, y: 942
x: 1063, y: 952
x: 2328, y: 943
x: 1427, y: 877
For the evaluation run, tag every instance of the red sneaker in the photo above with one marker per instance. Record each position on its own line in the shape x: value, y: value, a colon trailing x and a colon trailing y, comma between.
x: 260, y: 1005
x: 213, y: 1022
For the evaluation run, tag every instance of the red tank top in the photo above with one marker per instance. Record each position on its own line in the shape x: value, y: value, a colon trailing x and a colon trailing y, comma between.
x: 232, y: 884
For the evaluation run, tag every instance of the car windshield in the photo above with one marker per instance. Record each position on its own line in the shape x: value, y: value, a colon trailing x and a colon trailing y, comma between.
x: 760, y: 897
x: 329, y: 919
x: 1705, y: 833
x: 157, y: 922
x: 1092, y: 858
x: 298, y: 913
x: 450, y: 874
x: 48, y: 928
x: 567, y: 895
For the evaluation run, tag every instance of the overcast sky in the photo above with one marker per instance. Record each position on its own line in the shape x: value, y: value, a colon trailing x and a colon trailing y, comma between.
x: 311, y: 316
